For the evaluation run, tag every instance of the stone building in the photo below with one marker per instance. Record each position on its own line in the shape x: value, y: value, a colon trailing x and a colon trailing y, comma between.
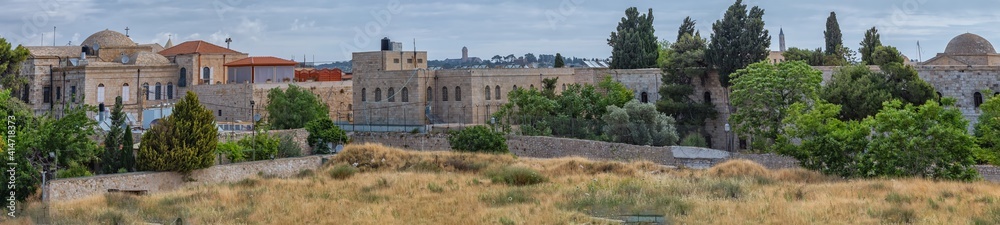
x: 968, y: 66
x: 201, y: 62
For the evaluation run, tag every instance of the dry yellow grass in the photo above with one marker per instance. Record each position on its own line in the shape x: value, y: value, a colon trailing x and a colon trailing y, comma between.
x: 451, y: 188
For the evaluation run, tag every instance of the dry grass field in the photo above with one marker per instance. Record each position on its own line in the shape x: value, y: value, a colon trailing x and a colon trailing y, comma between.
x: 372, y: 184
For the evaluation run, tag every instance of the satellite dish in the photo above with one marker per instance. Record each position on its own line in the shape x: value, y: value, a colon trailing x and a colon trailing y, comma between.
x: 124, y: 59
x: 97, y: 47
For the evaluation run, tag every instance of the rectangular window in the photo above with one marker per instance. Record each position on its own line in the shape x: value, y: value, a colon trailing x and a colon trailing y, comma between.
x: 58, y: 93
x: 47, y: 92
x: 395, y: 60
x: 220, y: 112
x: 409, y: 60
x: 72, y: 93
x: 125, y: 93
x: 420, y: 60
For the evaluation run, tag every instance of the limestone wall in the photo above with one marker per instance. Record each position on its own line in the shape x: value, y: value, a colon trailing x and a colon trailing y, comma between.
x: 153, y: 182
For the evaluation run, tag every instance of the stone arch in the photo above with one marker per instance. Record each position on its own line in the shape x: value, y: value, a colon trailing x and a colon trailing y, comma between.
x: 170, y: 90
x: 125, y: 92
x: 458, y: 93
x: 392, y: 94
x: 497, y: 92
x: 444, y: 94
x: 430, y: 94
x: 488, y: 94
x: 708, y: 97
x: 363, y: 95
x: 100, y: 93
x: 182, y: 81
x: 378, y: 94
x: 158, y: 91
x: 405, y: 94
x: 977, y: 99
x: 644, y: 97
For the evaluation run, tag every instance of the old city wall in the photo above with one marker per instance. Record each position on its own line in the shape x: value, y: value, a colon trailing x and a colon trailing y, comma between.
x: 336, y: 94
x: 152, y: 182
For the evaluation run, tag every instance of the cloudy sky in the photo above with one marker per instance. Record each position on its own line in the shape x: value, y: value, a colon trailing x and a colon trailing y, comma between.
x: 330, y: 30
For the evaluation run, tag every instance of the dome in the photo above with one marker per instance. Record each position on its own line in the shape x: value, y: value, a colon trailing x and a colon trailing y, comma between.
x: 969, y: 44
x: 109, y: 39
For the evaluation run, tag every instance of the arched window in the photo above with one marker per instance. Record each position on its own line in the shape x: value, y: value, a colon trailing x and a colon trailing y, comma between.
x: 405, y: 94
x: 159, y: 91
x: 145, y: 89
x: 182, y: 82
x: 363, y: 95
x: 514, y: 88
x: 532, y: 87
x: 488, y: 95
x: 978, y: 99
x: 458, y: 94
x: 644, y: 98
x: 564, y: 87
x: 430, y: 94
x: 170, y: 90
x: 498, y: 92
x: 125, y: 92
x: 391, y: 95
x: 378, y: 94
x: 206, y: 75
x: 100, y: 93
x: 708, y: 98
x: 444, y: 94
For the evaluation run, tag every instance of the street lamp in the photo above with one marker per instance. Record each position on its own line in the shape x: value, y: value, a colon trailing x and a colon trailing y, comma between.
x: 729, y: 139
x: 254, y: 118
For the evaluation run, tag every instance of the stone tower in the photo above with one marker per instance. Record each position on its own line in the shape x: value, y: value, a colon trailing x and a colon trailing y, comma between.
x: 781, y: 39
x: 465, y: 54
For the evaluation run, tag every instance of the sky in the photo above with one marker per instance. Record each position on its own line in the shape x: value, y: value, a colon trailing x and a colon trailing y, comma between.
x: 324, y: 31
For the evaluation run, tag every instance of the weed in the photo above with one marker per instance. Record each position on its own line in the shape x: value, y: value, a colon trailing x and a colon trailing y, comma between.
x: 726, y: 189
x: 248, y: 182
x: 517, y: 176
x: 435, y: 188
x: 897, y: 215
x: 991, y: 216
x: 505, y: 221
x: 897, y: 198
x: 342, y: 171
x: 305, y: 174
x: 512, y: 196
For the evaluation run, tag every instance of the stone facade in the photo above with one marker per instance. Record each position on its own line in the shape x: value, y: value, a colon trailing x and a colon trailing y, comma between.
x: 231, y: 102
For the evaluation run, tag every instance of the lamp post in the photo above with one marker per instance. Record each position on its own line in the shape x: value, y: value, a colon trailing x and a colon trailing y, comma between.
x: 253, y: 117
x: 729, y: 139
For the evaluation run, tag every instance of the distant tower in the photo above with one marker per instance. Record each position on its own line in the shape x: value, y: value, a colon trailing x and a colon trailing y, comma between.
x: 465, y: 54
x: 781, y: 39
x: 170, y: 42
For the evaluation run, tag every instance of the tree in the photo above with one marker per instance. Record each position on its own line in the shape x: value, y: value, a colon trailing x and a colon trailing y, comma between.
x: 665, y: 52
x: 988, y: 131
x: 883, y: 55
x: 323, y: 131
x: 738, y: 40
x: 530, y: 58
x: 10, y: 65
x: 834, y: 39
x: 928, y: 141
x: 559, y: 61
x: 118, y: 153
x: 762, y: 94
x: 549, y: 87
x: 811, y: 57
x: 905, y: 84
x: 497, y: 58
x: 258, y: 147
x: 293, y: 108
x: 16, y: 112
x: 687, y: 27
x: 634, y: 43
x: 478, y: 139
x: 685, y: 64
x: 824, y: 143
x: 858, y: 90
x: 183, y: 142
x: 639, y: 124
x: 868, y: 46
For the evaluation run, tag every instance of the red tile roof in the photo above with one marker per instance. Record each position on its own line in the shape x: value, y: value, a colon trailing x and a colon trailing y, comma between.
x: 261, y: 61
x: 196, y: 47
x: 334, y: 74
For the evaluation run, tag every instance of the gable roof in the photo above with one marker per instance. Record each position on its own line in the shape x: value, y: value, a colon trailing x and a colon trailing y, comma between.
x: 196, y: 47
x: 261, y: 61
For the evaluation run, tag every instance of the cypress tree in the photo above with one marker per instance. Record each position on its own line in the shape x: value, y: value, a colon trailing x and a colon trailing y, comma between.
x: 738, y: 40
x: 183, y: 142
x: 118, y: 143
x: 834, y: 39
x: 868, y: 46
x: 634, y: 44
x: 559, y: 61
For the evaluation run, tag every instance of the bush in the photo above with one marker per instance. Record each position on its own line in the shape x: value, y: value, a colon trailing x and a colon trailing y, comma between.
x: 183, y: 142
x: 740, y: 168
x: 262, y: 146
x: 513, y: 196
x: 478, y: 139
x: 322, y: 131
x: 517, y: 176
x: 287, y: 147
x: 233, y: 151
x: 342, y: 171
x: 694, y: 140
x: 639, y: 124
x: 294, y: 108
x: 988, y: 132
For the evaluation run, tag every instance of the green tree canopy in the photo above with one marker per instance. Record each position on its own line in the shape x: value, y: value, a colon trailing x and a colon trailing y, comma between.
x: 639, y: 124
x: 811, y: 57
x: 988, y: 131
x: 478, y: 139
x: 762, y: 94
x: 559, y: 61
x: 10, y: 65
x: 322, y: 131
x: 868, y: 45
x: 294, y: 107
x: 883, y: 55
x: 183, y: 142
x: 634, y: 43
x: 685, y: 64
x: 859, y: 90
x: 118, y: 152
x: 687, y: 27
x: 738, y: 40
x: 834, y: 39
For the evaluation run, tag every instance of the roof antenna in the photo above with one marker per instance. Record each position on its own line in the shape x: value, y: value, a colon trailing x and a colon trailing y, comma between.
x: 228, y: 40
x: 126, y: 32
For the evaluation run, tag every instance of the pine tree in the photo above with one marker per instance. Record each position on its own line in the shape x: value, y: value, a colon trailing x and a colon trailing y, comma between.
x: 868, y: 46
x: 183, y: 142
x: 118, y: 143
x: 634, y: 44
x: 738, y: 40
x: 687, y: 27
x: 834, y: 39
x: 559, y: 61
x: 686, y: 64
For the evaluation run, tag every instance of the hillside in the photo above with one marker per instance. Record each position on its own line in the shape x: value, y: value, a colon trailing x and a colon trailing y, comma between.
x: 393, y: 186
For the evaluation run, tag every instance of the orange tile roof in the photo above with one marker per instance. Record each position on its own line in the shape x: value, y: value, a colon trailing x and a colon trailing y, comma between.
x: 325, y: 74
x: 261, y: 61
x: 196, y: 47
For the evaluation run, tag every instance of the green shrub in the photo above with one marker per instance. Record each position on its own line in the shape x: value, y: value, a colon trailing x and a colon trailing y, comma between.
x: 183, y: 142
x: 727, y: 189
x: 75, y: 171
x: 322, y: 131
x: 262, y: 146
x: 435, y: 188
x: 233, y: 151
x: 342, y: 171
x: 694, y: 140
x: 287, y: 147
x: 517, y: 176
x: 478, y: 139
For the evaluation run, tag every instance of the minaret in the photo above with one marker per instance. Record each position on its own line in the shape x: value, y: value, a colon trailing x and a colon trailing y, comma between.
x: 465, y: 54
x: 781, y: 39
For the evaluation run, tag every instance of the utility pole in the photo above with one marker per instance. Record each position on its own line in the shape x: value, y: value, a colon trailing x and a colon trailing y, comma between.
x: 141, y: 89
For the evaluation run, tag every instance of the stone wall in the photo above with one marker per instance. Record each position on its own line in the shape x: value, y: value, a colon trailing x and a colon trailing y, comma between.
x: 153, y: 182
x: 300, y: 136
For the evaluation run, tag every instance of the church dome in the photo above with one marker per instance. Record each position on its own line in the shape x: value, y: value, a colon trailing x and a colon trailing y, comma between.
x: 969, y: 44
x: 109, y: 39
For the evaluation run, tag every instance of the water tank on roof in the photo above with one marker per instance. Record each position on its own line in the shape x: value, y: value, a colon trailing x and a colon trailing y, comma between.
x: 386, y: 44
